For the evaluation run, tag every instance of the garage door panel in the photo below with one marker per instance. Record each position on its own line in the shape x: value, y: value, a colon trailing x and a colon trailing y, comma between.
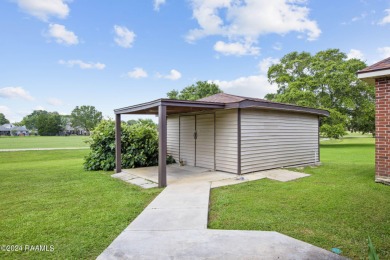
x: 205, y: 141
x: 187, y: 141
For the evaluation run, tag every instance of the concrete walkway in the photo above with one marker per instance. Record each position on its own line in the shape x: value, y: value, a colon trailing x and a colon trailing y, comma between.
x: 174, y: 226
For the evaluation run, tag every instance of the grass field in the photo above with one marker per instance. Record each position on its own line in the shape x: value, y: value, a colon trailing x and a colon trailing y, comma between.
x: 46, y: 198
x: 339, y: 205
x: 20, y: 142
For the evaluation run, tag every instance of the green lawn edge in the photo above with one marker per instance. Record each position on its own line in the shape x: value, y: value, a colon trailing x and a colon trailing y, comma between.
x: 46, y: 198
x: 339, y: 205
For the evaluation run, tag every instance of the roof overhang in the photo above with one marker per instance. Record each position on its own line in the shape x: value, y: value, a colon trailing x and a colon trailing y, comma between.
x: 188, y: 106
x: 370, y: 76
x: 173, y: 107
x: 277, y: 106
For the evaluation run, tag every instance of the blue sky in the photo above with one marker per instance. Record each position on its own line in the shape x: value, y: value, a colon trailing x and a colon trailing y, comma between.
x: 57, y: 54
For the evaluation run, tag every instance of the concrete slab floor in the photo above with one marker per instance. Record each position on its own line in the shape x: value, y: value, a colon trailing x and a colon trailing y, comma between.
x: 182, y: 174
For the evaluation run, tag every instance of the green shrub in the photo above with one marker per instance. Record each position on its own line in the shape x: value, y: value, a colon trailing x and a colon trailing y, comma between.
x: 334, y: 125
x: 139, y: 146
x: 332, y: 131
x: 170, y: 159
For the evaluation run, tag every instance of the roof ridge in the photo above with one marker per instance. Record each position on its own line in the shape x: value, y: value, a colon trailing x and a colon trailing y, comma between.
x: 374, y: 66
x: 231, y: 95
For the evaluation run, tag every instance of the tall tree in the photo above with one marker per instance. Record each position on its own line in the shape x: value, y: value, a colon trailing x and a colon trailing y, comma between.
x: 3, y: 120
x: 195, y: 91
x: 30, y: 121
x: 49, y: 124
x: 86, y: 117
x: 326, y: 80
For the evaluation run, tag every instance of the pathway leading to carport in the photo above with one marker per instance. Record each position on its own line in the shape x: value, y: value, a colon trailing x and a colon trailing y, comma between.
x: 174, y: 226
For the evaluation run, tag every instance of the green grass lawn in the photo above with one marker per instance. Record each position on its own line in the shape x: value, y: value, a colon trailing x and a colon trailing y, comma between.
x: 19, y: 142
x: 46, y: 198
x: 339, y: 205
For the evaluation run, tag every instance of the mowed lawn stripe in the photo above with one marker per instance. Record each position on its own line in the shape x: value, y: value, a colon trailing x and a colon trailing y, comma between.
x: 23, y: 142
x: 46, y: 198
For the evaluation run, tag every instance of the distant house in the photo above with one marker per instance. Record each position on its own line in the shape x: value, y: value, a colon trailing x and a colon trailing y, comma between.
x: 4, y: 130
x: 12, y: 130
x: 70, y: 130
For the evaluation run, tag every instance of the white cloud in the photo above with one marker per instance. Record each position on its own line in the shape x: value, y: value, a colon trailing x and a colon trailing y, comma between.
x: 55, y: 102
x: 359, y: 17
x: 39, y: 108
x: 386, y: 19
x: 124, y: 37
x: 253, y: 85
x: 15, y: 92
x: 62, y: 35
x: 82, y: 64
x: 43, y: 9
x: 10, y: 114
x: 137, y: 73
x: 6, y: 111
x: 236, y: 48
x: 157, y: 4
x: 250, y: 86
x: 384, y: 51
x: 173, y: 75
x: 277, y: 46
x: 246, y: 21
x: 266, y: 63
x: 355, y: 54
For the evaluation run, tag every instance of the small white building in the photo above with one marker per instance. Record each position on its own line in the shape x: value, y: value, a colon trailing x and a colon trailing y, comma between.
x: 246, y: 137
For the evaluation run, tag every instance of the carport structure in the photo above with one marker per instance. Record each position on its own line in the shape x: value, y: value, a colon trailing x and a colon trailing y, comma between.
x: 230, y: 133
x: 162, y: 108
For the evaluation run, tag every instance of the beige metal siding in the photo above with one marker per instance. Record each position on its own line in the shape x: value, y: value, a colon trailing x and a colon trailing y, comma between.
x: 226, y: 140
x: 205, y: 141
x: 187, y: 141
x: 272, y: 139
x: 173, y: 137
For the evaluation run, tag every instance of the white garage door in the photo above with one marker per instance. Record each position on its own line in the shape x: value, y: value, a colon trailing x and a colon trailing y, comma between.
x: 197, y: 140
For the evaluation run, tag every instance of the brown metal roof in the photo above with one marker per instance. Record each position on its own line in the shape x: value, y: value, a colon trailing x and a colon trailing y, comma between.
x: 228, y: 98
x: 381, y: 65
x: 233, y: 101
x: 223, y: 98
x: 217, y: 101
x: 173, y: 107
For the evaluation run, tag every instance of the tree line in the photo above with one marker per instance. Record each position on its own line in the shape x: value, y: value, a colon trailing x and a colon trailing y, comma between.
x: 52, y: 123
x: 326, y: 80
